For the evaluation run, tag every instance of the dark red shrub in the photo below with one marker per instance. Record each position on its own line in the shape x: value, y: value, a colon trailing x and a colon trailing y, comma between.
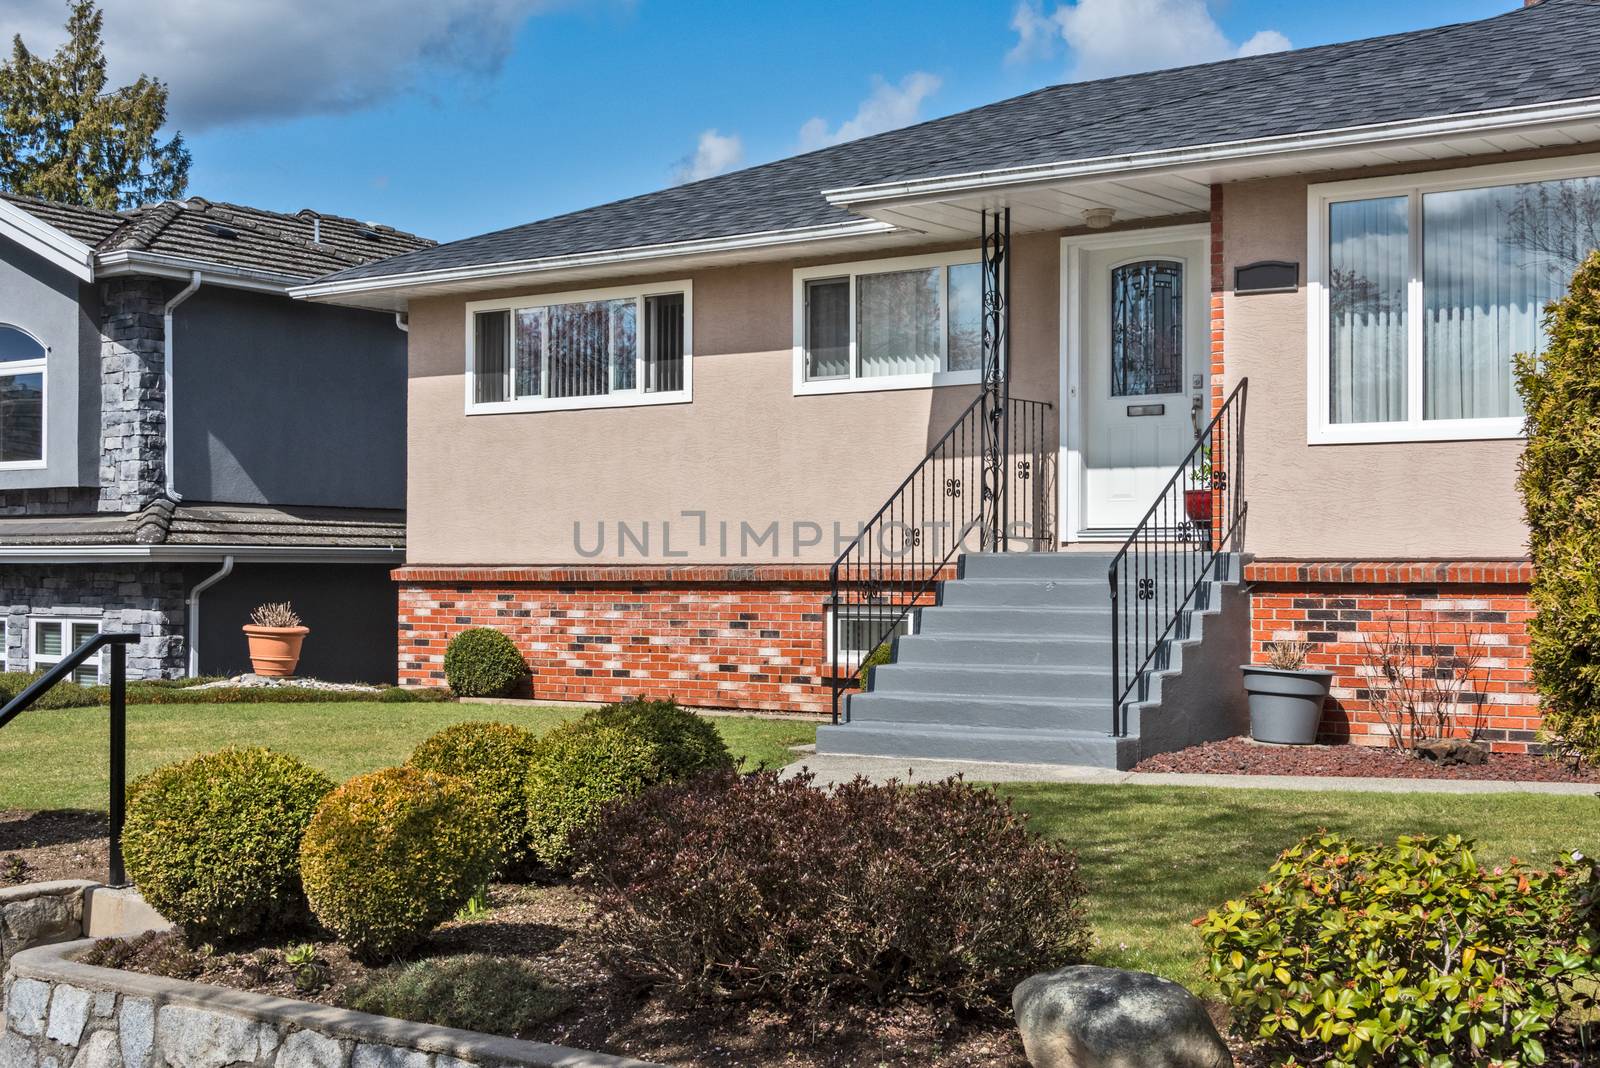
x: 749, y: 887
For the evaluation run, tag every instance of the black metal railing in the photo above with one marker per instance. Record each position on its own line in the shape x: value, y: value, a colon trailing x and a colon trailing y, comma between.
x: 965, y: 495
x: 19, y: 704
x: 1173, y: 552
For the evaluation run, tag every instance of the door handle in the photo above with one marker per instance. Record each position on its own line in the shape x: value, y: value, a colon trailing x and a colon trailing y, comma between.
x: 1194, y: 413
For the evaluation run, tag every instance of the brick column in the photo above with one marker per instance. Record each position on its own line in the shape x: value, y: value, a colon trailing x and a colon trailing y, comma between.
x: 1218, y: 283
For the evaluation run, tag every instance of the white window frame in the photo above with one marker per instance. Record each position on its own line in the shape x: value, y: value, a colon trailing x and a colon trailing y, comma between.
x: 854, y: 383
x: 66, y: 622
x: 1320, y: 429
x: 28, y: 367
x: 853, y: 657
x: 630, y: 398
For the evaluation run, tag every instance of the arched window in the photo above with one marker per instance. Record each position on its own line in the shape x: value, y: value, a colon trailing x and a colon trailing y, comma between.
x: 1147, y: 328
x: 22, y: 360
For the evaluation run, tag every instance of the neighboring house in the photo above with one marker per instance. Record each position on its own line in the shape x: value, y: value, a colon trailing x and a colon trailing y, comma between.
x: 610, y: 410
x: 180, y: 441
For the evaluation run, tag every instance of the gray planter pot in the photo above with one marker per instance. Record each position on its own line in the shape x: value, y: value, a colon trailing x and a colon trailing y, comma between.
x: 1285, y: 706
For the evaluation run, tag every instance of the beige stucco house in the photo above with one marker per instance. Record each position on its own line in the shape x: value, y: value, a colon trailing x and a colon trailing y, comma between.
x: 641, y: 435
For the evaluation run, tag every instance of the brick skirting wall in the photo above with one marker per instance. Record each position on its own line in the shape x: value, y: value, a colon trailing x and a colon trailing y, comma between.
x: 744, y: 637
x: 1341, y: 606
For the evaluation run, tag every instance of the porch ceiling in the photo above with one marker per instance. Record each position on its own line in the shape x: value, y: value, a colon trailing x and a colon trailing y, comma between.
x: 1138, y: 190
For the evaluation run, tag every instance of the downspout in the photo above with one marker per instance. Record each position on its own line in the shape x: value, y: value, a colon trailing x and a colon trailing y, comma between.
x: 400, y: 321
x: 166, y: 380
x: 194, y: 611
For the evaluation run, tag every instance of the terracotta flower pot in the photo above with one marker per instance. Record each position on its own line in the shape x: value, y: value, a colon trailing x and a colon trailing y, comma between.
x: 275, y: 651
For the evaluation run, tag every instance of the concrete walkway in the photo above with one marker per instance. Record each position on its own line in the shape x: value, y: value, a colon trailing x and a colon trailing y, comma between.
x: 834, y: 768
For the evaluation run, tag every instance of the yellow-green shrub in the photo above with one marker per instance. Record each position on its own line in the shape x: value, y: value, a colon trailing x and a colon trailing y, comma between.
x: 1560, y: 483
x: 483, y: 662
x: 392, y: 854
x: 213, y: 843
x: 1353, y: 954
x: 493, y: 757
x: 612, y: 752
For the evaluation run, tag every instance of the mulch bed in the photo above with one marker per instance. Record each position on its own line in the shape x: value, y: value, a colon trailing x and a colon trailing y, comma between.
x: 546, y: 926
x: 40, y: 847
x: 1241, y: 756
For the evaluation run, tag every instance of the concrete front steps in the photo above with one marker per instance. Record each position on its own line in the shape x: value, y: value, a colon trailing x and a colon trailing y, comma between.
x: 1013, y: 664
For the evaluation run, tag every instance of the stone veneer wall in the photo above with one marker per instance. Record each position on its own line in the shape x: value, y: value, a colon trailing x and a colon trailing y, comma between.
x: 39, y: 914
x: 133, y: 423
x: 59, y: 1013
x: 143, y: 598
x: 1451, y: 608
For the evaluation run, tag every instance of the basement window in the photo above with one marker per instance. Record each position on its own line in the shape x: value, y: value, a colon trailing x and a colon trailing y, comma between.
x: 859, y: 624
x: 593, y: 349
x: 51, y: 640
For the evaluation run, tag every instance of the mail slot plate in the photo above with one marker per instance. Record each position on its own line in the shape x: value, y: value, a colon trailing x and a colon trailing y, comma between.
x: 1147, y: 409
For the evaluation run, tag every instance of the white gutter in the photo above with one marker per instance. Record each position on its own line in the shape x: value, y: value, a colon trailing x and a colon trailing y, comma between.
x: 42, y: 239
x: 641, y: 254
x: 166, y: 369
x: 1353, y: 137
x: 193, y: 620
x: 287, y: 554
x: 166, y: 265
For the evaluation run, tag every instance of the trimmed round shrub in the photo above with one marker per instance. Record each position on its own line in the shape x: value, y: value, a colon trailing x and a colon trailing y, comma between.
x: 483, y: 662
x: 1410, y: 954
x: 493, y: 757
x: 392, y: 854
x: 213, y: 843
x: 1559, y: 478
x: 613, y: 752
x: 757, y: 888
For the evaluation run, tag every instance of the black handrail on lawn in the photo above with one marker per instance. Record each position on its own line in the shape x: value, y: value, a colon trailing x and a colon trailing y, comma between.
x: 119, y: 725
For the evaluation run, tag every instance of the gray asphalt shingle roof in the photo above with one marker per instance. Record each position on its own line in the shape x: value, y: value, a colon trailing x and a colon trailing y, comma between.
x: 207, y: 524
x: 1531, y: 55
x: 249, y: 238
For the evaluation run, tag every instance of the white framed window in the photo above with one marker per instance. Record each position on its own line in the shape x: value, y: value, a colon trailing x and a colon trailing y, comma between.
x: 1424, y: 288
x: 597, y: 348
x: 22, y: 411
x: 859, y: 624
x: 50, y: 639
x: 903, y: 323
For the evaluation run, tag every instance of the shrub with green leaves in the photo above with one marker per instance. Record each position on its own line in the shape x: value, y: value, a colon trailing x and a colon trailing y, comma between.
x: 213, y: 843
x: 613, y: 752
x: 1559, y: 479
x: 483, y: 662
x: 1411, y: 954
x: 474, y: 992
x: 883, y: 654
x: 759, y: 888
x: 392, y: 854
x: 64, y: 694
x: 494, y: 758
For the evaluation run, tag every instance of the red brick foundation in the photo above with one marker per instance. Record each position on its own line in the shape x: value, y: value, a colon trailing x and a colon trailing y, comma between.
x: 712, y: 637
x: 1463, y: 605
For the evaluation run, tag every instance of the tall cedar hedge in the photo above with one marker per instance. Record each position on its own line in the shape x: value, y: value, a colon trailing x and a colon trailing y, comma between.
x: 1560, y: 484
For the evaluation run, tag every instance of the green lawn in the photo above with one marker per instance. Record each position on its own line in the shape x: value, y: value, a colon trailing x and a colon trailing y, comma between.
x: 1156, y: 857
x: 57, y: 758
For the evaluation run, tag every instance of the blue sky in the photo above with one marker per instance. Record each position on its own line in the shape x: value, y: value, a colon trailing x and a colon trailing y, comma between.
x: 453, y: 117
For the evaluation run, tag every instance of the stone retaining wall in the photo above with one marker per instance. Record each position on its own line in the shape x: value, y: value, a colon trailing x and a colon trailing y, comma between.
x: 40, y: 914
x: 62, y: 1014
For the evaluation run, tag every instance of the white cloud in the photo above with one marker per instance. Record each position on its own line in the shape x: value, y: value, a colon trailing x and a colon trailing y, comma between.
x: 1110, y: 37
x: 229, y: 61
x: 714, y: 154
x: 887, y: 107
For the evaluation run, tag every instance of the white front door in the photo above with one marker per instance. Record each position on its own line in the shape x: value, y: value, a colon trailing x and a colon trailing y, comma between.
x: 1142, y: 382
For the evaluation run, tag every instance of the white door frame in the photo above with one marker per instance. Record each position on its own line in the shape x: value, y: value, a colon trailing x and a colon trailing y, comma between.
x: 1072, y: 417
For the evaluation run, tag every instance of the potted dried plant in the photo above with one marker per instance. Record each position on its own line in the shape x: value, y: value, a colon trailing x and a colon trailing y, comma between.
x: 1285, y: 696
x: 275, y: 634
x: 1197, y: 502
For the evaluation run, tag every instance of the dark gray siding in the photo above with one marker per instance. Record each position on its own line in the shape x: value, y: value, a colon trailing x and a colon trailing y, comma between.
x: 282, y: 402
x: 56, y: 308
x: 351, y: 609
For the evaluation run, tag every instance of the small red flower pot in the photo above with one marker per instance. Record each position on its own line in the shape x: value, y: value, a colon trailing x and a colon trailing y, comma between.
x: 1197, y: 505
